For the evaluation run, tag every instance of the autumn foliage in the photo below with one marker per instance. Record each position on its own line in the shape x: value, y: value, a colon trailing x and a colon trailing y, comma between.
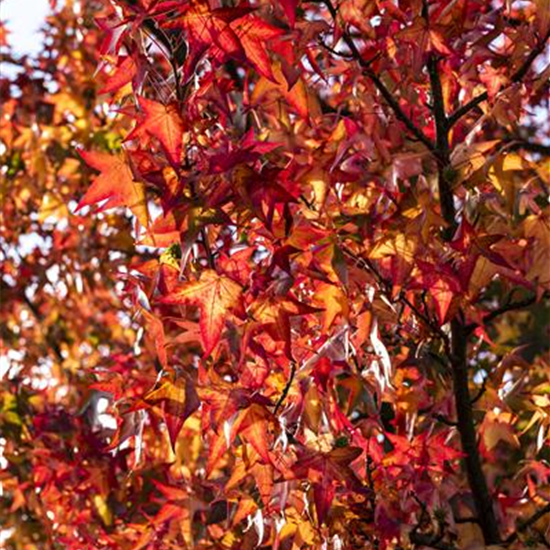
x: 275, y: 274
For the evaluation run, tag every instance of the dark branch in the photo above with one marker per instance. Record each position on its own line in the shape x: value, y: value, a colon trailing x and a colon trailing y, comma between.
x: 431, y: 541
x: 343, y: 55
x: 286, y: 389
x: 527, y: 523
x: 481, y: 391
x: 445, y: 420
x: 509, y: 306
x: 468, y: 438
x: 456, y: 350
x: 443, y: 153
x: 459, y: 521
x: 529, y: 146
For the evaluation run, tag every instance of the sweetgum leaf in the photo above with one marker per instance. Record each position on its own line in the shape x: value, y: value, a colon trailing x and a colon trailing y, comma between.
x: 115, y: 184
x: 216, y: 296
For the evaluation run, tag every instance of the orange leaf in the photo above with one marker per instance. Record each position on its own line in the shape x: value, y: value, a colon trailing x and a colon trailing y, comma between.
x: 334, y: 301
x: 263, y: 475
x: 115, y: 184
x: 215, y: 295
x: 179, y: 400
x: 253, y: 428
x: 164, y: 123
x: 122, y: 75
x: 217, y: 447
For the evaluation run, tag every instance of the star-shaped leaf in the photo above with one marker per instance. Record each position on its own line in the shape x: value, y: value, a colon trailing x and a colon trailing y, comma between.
x: 179, y: 400
x: 254, y: 35
x: 215, y: 295
x: 325, y: 470
x: 115, y: 185
x: 164, y: 123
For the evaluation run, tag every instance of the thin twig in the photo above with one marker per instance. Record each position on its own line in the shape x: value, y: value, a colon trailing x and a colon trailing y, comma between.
x: 529, y: 146
x: 343, y: 55
x: 508, y: 306
x: 526, y: 524
x: 481, y: 391
x: 444, y: 420
x: 286, y: 389
x: 386, y: 288
x: 460, y: 521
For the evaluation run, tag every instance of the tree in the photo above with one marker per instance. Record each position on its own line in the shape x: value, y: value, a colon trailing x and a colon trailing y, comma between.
x: 303, y: 299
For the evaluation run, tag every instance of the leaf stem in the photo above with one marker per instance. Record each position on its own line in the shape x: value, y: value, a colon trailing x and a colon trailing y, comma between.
x: 286, y: 389
x: 207, y: 249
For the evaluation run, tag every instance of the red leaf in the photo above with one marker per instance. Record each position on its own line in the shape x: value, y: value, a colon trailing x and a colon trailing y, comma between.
x: 255, y: 34
x: 289, y: 7
x: 122, y: 75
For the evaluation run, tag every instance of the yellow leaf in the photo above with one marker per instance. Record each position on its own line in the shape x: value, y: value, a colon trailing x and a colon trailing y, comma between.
x: 401, y: 245
x: 467, y: 158
x: 334, y: 302
x: 52, y: 207
x: 103, y: 509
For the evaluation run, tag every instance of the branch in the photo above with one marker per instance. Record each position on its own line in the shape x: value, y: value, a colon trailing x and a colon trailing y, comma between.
x: 386, y: 94
x: 481, y: 391
x: 286, y: 389
x: 529, y: 522
x: 508, y: 306
x: 516, y: 77
x: 443, y: 151
x: 466, y: 427
x: 175, y: 53
x: 333, y: 51
x: 460, y: 521
x: 446, y: 198
x: 418, y: 539
x: 444, y: 420
x: 457, y: 346
x: 529, y: 146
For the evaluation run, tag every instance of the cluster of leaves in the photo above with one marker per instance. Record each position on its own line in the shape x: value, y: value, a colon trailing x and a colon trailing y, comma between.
x: 332, y: 229
x: 61, y: 316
